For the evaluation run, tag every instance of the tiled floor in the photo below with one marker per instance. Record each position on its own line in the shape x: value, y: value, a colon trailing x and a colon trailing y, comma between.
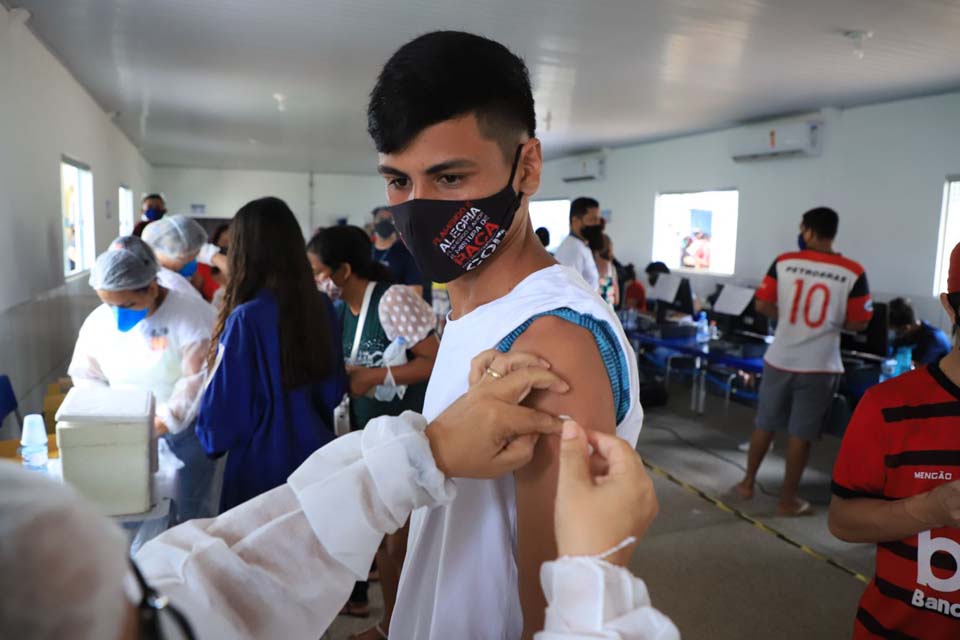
x: 716, y: 575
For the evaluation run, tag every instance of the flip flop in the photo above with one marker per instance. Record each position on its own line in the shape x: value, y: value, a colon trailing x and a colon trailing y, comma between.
x: 805, y: 509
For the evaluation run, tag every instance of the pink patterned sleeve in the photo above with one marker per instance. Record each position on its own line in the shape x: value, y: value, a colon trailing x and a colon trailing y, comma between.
x: 404, y: 313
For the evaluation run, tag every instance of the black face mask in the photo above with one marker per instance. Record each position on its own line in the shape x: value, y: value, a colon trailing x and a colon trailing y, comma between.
x: 594, y: 236
x: 385, y: 228
x: 449, y: 238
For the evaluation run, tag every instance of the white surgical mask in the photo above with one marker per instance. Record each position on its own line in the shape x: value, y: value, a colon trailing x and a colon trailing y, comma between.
x: 329, y: 287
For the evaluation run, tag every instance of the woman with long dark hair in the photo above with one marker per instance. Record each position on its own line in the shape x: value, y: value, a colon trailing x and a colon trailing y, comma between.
x: 276, y: 367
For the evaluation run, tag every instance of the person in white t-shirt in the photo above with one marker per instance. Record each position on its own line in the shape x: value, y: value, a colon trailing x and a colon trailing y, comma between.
x: 813, y: 293
x: 452, y: 116
x: 574, y: 251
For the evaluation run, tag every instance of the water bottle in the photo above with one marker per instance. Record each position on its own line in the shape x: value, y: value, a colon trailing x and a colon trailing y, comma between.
x: 888, y: 369
x: 904, y: 358
x: 703, y: 327
x: 33, y: 443
x: 394, y: 355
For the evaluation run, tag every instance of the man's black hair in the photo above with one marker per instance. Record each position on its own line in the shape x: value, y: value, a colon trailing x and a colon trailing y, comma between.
x: 152, y: 196
x: 376, y: 210
x: 823, y: 222
x: 544, y: 234
x: 580, y: 206
x: 446, y: 74
x: 901, y: 313
x: 657, y: 267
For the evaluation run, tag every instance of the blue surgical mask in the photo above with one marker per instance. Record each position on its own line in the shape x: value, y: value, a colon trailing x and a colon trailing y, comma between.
x: 801, y: 242
x: 128, y: 318
x: 189, y: 269
x: 153, y: 214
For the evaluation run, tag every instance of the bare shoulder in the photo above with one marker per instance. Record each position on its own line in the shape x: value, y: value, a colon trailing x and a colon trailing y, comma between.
x: 573, y: 354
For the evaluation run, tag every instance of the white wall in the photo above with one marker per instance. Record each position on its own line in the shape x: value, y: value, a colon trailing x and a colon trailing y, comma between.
x: 882, y: 168
x: 224, y: 191
x: 45, y: 114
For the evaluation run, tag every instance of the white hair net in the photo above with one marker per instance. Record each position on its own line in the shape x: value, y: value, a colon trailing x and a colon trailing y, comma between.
x: 175, y: 236
x: 123, y: 270
x: 63, y: 564
x: 135, y: 245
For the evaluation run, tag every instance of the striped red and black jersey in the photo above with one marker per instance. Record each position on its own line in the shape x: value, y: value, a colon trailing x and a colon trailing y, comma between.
x: 904, y: 439
x: 816, y: 293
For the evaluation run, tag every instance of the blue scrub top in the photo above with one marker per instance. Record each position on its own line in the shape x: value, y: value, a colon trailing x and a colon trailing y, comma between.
x: 245, y: 411
x: 929, y: 344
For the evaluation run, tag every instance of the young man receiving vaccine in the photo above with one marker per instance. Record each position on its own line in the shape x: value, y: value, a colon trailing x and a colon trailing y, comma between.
x: 896, y: 484
x: 452, y: 116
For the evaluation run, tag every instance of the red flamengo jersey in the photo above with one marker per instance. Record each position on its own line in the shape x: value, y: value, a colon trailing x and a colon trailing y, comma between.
x: 904, y: 439
x: 815, y: 293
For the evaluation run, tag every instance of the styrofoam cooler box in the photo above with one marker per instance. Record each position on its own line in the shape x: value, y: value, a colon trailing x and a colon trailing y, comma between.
x: 107, y: 447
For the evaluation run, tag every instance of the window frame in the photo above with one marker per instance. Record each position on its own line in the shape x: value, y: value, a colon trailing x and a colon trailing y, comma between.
x: 133, y: 210
x: 691, y: 270
x: 942, y: 265
x: 87, y: 236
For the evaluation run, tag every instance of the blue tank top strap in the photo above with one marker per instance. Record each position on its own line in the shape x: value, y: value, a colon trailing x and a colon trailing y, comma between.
x: 607, y: 343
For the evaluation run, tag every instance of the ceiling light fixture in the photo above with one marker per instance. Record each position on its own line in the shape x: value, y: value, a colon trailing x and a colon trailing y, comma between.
x: 281, y: 101
x: 857, y: 37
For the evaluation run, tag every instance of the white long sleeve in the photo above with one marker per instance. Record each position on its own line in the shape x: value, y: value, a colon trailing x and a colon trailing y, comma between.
x: 282, y: 565
x: 590, y: 599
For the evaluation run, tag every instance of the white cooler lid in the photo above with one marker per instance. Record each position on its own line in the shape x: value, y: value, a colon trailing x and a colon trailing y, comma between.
x: 104, y: 404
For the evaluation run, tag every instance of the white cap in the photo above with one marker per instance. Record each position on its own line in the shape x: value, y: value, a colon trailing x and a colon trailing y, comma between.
x: 177, y: 237
x: 62, y: 564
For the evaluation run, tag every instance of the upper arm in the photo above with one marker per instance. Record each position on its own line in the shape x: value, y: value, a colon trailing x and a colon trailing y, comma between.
x: 859, y: 303
x: 231, y: 401
x: 766, y: 308
x: 403, y: 312
x: 573, y: 355
x: 767, y: 292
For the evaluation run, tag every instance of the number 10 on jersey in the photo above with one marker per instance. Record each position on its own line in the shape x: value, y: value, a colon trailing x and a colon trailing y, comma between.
x: 817, y: 296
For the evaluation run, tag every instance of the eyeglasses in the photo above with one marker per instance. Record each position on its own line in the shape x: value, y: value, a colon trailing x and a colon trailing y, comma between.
x: 153, y: 607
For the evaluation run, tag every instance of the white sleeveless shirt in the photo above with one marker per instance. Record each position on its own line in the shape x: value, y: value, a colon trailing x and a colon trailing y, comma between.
x: 460, y: 575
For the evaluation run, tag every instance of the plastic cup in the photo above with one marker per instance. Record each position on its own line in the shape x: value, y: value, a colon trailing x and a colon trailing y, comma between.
x: 34, y: 431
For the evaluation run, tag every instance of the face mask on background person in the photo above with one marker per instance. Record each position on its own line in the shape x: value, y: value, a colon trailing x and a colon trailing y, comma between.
x: 128, y: 318
x: 153, y: 214
x: 385, y: 228
x: 801, y: 243
x: 449, y: 238
x: 188, y: 269
x: 593, y: 234
x: 329, y: 287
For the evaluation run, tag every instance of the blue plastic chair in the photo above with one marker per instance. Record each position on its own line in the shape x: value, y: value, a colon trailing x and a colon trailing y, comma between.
x: 8, y: 403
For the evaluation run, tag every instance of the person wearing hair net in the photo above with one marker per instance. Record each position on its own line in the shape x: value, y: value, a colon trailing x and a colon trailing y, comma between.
x: 180, y: 243
x: 282, y: 564
x: 146, y: 336
x: 167, y: 278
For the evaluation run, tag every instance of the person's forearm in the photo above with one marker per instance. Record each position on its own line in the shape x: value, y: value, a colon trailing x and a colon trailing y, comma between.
x: 414, y: 372
x: 874, y: 520
x: 279, y: 566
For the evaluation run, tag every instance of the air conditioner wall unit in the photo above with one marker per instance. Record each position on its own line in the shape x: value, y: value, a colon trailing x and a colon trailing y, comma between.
x: 778, y: 140
x: 588, y: 168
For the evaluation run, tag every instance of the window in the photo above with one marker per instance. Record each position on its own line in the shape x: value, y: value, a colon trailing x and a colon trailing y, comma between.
x: 76, y: 191
x: 697, y: 231
x: 555, y: 216
x: 125, y: 211
x: 949, y: 232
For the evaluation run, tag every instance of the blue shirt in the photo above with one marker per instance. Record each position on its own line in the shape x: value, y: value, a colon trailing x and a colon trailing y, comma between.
x: 245, y: 411
x: 399, y: 262
x: 929, y: 344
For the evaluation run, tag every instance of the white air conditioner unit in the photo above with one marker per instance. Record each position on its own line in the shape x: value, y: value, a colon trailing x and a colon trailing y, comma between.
x: 591, y: 168
x: 778, y: 140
